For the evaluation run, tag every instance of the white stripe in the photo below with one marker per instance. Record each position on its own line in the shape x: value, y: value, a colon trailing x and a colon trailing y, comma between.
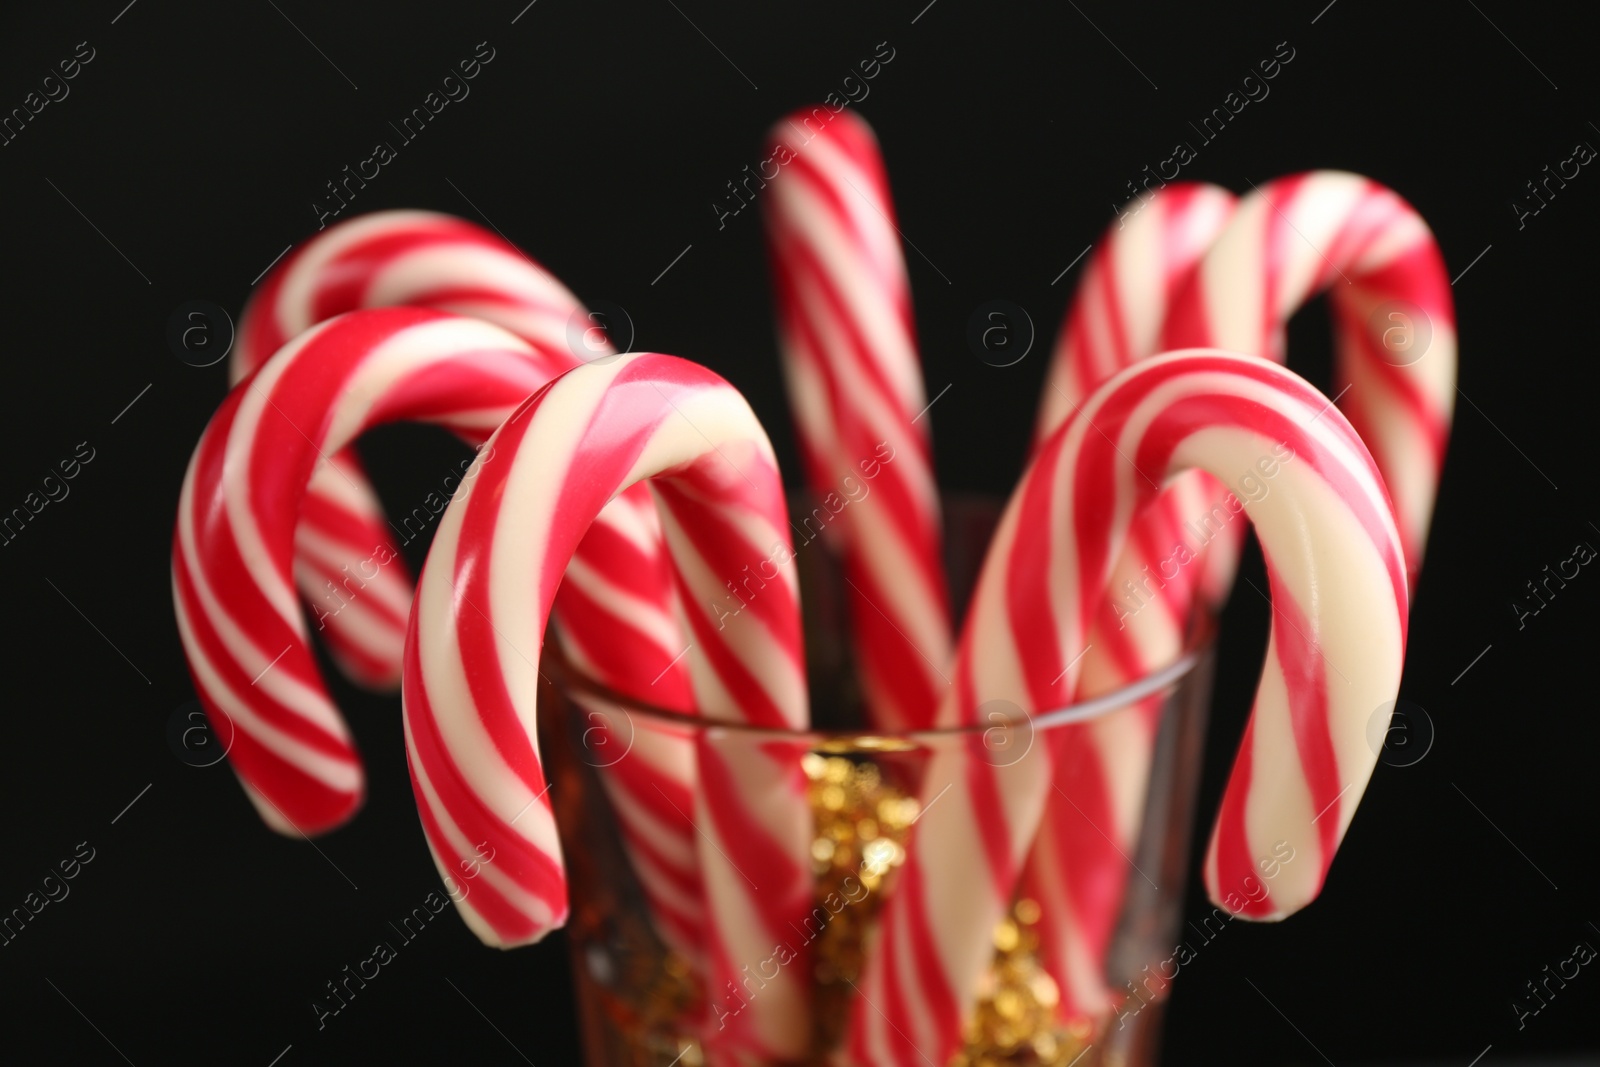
x: 292, y: 311
x: 456, y: 715
x: 405, y: 277
x: 858, y: 289
x: 238, y: 450
x: 357, y: 624
x: 324, y: 559
x: 524, y: 902
x: 414, y: 348
x: 341, y: 775
x: 652, y: 620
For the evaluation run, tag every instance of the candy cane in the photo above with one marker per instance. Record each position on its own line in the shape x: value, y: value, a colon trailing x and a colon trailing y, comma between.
x: 296, y: 760
x: 246, y: 640
x: 417, y: 258
x: 1128, y: 283
x: 486, y: 590
x: 468, y: 400
x: 615, y: 614
x: 1389, y: 294
x: 1395, y: 335
x: 855, y: 382
x: 1337, y: 576
x: 424, y: 259
x: 1078, y: 871
x: 1136, y: 272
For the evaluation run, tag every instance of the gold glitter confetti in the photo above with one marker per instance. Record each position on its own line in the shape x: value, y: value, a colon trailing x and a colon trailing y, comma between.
x: 862, y: 821
x: 1015, y: 1024
x: 865, y: 819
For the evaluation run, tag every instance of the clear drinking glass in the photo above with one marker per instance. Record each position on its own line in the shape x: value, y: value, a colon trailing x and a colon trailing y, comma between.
x: 638, y: 1000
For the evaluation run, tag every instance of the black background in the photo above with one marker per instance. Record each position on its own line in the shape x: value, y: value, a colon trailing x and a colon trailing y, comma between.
x: 195, y: 143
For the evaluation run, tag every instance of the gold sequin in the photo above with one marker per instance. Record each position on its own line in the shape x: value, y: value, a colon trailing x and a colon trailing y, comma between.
x: 862, y: 821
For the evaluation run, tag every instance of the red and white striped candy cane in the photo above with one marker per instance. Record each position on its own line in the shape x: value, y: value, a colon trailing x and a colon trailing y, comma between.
x: 1078, y: 871
x: 1338, y: 585
x: 415, y: 258
x: 1128, y: 284
x: 246, y: 640
x: 616, y: 605
x: 1395, y: 334
x: 855, y: 384
x: 470, y: 683
x: 615, y: 614
x: 425, y: 259
x: 1133, y: 276
x: 1393, y: 315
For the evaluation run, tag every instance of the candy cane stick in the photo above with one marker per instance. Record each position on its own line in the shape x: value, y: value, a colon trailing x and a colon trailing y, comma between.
x: 470, y: 682
x: 424, y: 259
x: 616, y: 608
x: 611, y: 608
x: 1128, y: 284
x: 417, y: 258
x: 1334, y: 656
x: 1395, y: 334
x: 615, y: 613
x: 1394, y: 318
x: 849, y: 349
x: 1078, y: 870
x: 465, y: 399
x: 246, y: 640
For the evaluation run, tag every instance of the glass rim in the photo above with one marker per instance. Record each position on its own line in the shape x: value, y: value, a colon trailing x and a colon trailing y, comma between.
x: 1199, y: 641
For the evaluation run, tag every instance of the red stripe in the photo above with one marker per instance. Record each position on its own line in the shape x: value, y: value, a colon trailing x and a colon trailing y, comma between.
x: 892, y: 667
x: 527, y: 866
x: 622, y: 656
x: 1201, y: 412
x: 1276, y: 254
x: 343, y: 285
x: 478, y: 639
x: 1305, y: 674
x: 1033, y: 621
x: 1094, y: 867
x: 1232, y: 834
x: 1110, y: 298
x: 989, y: 812
x: 940, y: 1001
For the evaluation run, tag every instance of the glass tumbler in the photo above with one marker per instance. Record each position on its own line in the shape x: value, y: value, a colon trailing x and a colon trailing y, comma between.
x: 642, y: 1002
